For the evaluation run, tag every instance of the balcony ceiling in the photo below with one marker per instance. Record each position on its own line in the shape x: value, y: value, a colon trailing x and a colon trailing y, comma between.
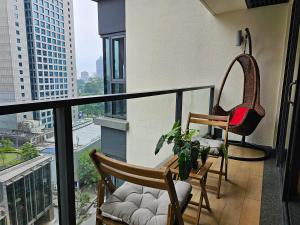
x: 218, y: 7
x: 259, y: 3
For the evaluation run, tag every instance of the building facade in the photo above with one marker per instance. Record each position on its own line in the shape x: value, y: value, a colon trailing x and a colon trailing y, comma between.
x: 113, y: 33
x: 99, y: 67
x: 50, y: 36
x: 25, y: 192
x: 84, y: 75
x: 14, y: 66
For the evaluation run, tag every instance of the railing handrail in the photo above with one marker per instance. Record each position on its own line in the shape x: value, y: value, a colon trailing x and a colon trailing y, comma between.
x: 19, y: 107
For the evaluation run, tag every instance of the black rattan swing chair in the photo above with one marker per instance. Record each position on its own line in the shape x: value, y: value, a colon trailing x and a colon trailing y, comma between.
x: 245, y: 117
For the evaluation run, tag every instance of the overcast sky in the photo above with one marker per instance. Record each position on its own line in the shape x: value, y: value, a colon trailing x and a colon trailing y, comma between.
x: 87, y: 41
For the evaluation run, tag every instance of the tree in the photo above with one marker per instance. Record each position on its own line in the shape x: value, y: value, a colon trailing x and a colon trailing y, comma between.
x: 87, y: 172
x: 94, y: 86
x: 90, y: 110
x: 80, y: 87
x: 28, y: 151
x: 82, y: 199
x: 6, y: 146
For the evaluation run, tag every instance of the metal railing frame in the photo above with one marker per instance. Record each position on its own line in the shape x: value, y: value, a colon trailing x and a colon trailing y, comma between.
x: 63, y: 135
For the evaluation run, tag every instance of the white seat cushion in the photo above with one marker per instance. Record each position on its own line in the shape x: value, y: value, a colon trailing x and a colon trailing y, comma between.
x: 215, y: 145
x: 139, y: 205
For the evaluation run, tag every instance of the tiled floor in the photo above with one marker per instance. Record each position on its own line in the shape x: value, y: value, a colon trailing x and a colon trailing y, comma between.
x: 240, y: 196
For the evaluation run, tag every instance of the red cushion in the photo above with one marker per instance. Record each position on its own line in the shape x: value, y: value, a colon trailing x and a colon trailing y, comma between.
x: 238, y: 115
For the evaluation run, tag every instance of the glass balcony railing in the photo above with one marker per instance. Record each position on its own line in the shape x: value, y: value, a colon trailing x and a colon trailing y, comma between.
x: 46, y: 174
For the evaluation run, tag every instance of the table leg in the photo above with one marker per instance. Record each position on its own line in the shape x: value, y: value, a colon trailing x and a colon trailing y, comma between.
x: 203, y: 195
x: 204, y: 192
x: 199, y: 208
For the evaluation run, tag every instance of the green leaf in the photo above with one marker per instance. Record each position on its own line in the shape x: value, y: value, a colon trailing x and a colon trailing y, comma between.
x: 176, y: 149
x: 176, y: 125
x: 160, y: 143
x: 170, y: 139
x: 174, y: 132
x: 190, y: 133
x: 224, y: 151
x: 184, y: 164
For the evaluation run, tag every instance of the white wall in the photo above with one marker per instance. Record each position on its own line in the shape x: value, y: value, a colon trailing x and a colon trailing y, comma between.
x: 178, y: 43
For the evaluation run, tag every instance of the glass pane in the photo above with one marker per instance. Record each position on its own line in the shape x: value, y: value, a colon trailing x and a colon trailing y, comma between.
x: 11, y: 204
x: 86, y: 136
x: 47, y: 185
x: 27, y: 170
x: 118, y: 107
x: 107, y: 72
x: 38, y: 178
x: 20, y: 202
x: 107, y: 66
x: 29, y: 199
x: 118, y: 58
x: 287, y: 143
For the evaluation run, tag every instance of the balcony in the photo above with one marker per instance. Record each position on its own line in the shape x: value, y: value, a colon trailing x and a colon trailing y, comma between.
x: 176, y: 56
x: 243, y: 191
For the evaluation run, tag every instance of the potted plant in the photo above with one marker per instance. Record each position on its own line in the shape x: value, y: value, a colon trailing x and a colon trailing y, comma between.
x: 204, y: 154
x: 186, y: 149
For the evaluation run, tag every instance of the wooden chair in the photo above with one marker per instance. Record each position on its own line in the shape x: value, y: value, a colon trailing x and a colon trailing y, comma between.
x: 212, y: 120
x: 153, y: 178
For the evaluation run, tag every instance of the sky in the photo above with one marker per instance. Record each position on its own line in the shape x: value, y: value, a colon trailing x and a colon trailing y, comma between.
x: 87, y: 40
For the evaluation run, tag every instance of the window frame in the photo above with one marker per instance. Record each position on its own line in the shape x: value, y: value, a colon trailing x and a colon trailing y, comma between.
x: 109, y: 80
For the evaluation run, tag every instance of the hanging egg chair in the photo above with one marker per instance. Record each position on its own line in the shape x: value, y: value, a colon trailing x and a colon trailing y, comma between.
x: 245, y: 117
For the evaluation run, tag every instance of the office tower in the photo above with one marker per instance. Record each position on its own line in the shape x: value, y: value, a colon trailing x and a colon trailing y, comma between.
x: 84, y: 76
x: 50, y: 37
x: 14, y: 68
x: 99, y: 67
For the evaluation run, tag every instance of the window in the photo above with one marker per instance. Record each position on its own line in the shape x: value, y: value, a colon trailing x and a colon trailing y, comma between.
x: 11, y: 203
x: 114, y: 74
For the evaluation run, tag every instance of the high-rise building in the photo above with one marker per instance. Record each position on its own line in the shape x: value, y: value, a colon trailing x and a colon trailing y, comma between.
x: 50, y: 37
x: 84, y: 75
x: 14, y: 67
x: 99, y: 67
x: 37, y: 55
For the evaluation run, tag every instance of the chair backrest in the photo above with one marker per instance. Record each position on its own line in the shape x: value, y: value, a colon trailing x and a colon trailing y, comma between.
x: 154, y: 178
x: 210, y: 120
x: 251, y: 93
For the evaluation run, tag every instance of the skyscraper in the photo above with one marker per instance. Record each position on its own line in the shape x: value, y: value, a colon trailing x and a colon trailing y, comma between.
x: 37, y: 55
x: 84, y: 75
x: 14, y: 67
x: 50, y: 37
x: 99, y: 67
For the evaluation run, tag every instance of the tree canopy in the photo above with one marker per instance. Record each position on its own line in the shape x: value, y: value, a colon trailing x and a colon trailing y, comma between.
x: 94, y: 86
x: 28, y: 151
x: 87, y: 172
x: 6, y: 145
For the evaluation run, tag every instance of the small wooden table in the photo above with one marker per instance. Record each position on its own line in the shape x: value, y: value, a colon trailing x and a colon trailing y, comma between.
x: 199, y: 174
